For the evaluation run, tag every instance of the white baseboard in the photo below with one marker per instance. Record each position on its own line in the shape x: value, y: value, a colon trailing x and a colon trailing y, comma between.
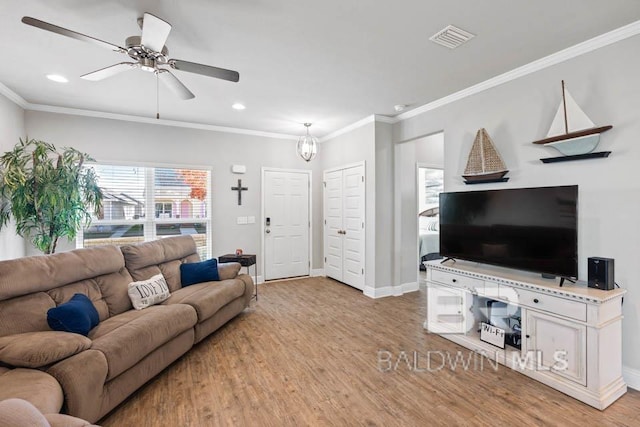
x: 410, y: 287
x: 631, y: 377
x: 390, y: 291
x: 315, y: 272
x: 260, y: 280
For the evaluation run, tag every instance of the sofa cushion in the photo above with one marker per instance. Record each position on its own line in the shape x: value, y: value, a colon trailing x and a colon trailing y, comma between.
x: 38, y: 349
x: 39, y: 388
x: 208, y: 297
x: 228, y: 270
x: 127, y: 338
x: 198, y: 272
x: 25, y: 314
x: 160, y: 256
x: 149, y: 292
x: 20, y: 413
x: 27, y: 275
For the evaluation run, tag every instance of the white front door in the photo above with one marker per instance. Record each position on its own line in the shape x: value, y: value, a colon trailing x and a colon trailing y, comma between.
x: 344, y: 225
x: 286, y: 224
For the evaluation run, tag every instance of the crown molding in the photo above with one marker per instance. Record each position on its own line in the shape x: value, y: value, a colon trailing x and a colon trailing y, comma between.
x: 587, y: 46
x: 349, y: 128
x: 362, y: 122
x: 152, y: 121
x: 385, y: 119
x: 13, y: 97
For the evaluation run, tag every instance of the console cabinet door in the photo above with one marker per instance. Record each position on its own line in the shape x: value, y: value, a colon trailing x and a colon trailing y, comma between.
x: 557, y: 346
x: 445, y: 309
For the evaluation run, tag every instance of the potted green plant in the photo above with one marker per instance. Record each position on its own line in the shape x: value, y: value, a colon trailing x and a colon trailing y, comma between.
x: 48, y: 193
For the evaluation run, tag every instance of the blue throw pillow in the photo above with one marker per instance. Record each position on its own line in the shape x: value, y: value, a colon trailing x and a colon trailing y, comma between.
x: 78, y: 315
x: 198, y: 272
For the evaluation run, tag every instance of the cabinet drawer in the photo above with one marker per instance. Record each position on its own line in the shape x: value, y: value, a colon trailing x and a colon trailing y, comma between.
x: 559, y: 306
x: 464, y: 282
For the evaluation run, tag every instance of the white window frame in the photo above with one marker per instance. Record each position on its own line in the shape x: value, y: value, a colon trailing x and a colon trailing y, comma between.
x: 149, y: 222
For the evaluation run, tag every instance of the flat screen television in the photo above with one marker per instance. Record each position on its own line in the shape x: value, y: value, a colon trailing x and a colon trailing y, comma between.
x: 534, y: 229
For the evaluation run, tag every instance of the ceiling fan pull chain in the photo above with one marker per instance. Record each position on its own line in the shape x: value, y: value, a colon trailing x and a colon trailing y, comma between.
x: 157, y: 96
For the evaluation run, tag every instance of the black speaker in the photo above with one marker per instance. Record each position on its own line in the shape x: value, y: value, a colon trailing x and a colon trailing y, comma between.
x: 601, y: 273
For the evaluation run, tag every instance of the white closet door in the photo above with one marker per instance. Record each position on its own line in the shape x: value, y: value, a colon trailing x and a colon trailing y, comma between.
x: 353, y: 226
x: 286, y: 201
x: 344, y: 243
x: 333, y: 224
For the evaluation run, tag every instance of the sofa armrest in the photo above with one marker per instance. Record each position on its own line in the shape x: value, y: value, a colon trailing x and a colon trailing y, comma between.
x: 82, y: 378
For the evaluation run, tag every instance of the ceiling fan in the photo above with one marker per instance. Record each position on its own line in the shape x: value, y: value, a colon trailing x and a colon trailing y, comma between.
x: 148, y: 51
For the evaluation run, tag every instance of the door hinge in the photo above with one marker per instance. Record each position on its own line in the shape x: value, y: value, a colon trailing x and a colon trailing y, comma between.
x: 325, y: 222
x: 324, y: 183
x: 309, y: 224
x: 363, y: 271
x: 309, y: 264
x: 362, y: 178
x: 325, y: 259
x: 363, y: 224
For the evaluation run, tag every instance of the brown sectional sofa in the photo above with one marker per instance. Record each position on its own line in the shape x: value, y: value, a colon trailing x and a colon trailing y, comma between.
x: 128, y: 347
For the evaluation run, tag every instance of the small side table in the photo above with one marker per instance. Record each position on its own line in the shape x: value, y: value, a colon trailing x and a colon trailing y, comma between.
x: 245, y: 260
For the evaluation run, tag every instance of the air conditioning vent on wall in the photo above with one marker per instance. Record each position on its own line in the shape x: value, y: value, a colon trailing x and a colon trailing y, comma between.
x: 451, y: 37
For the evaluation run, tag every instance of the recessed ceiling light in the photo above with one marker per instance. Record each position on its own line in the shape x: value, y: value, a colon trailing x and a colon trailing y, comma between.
x: 238, y: 106
x: 57, y: 78
x: 399, y: 107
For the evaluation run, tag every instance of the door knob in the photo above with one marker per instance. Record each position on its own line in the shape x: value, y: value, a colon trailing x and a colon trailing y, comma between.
x: 267, y: 231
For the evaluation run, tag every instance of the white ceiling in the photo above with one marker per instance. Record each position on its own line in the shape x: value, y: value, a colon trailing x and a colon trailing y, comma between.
x: 330, y: 62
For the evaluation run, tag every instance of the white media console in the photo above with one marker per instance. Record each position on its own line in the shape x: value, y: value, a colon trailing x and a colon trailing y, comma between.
x: 571, y: 337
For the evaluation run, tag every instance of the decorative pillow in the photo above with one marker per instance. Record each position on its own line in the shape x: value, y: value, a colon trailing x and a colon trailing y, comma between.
x: 198, y: 272
x: 434, y: 224
x: 38, y: 349
x: 148, y: 292
x: 78, y: 315
x: 228, y: 270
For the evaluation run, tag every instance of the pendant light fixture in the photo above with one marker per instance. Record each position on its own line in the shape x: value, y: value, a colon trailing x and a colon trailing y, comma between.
x: 307, y: 145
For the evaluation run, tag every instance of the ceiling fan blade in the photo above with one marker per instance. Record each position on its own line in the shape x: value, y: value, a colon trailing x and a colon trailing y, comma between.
x: 205, y: 70
x: 108, y: 71
x: 154, y: 32
x: 73, y: 34
x: 175, y: 85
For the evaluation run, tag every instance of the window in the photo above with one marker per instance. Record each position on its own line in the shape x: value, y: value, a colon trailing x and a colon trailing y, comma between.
x: 145, y: 203
x: 432, y: 182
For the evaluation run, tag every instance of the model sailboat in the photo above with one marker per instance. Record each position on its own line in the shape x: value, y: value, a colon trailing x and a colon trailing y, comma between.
x: 484, y: 163
x: 572, y: 132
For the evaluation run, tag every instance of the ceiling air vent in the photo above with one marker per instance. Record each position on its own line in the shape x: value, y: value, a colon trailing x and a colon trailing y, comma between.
x: 451, y: 37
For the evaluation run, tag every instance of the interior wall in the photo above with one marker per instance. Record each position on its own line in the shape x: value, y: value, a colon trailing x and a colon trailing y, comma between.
x: 11, y: 130
x: 351, y: 147
x: 120, y: 141
x: 427, y: 150
x: 605, y: 84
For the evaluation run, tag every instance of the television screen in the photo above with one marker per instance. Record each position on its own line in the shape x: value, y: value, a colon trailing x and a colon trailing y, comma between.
x: 534, y: 229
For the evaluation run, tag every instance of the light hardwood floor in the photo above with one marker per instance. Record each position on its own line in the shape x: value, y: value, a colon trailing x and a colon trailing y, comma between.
x: 307, y: 353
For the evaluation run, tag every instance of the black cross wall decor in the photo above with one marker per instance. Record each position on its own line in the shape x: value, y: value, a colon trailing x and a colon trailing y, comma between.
x: 239, y: 189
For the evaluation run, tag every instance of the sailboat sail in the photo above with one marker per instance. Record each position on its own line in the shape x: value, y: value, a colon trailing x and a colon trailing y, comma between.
x: 484, y: 159
x: 576, y: 118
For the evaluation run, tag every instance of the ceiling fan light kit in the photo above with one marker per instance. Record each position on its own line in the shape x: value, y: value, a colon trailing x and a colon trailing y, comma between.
x: 307, y: 146
x: 148, y: 51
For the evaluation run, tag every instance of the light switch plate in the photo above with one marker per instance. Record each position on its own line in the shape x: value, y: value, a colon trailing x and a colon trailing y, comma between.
x: 251, y: 219
x: 242, y: 220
